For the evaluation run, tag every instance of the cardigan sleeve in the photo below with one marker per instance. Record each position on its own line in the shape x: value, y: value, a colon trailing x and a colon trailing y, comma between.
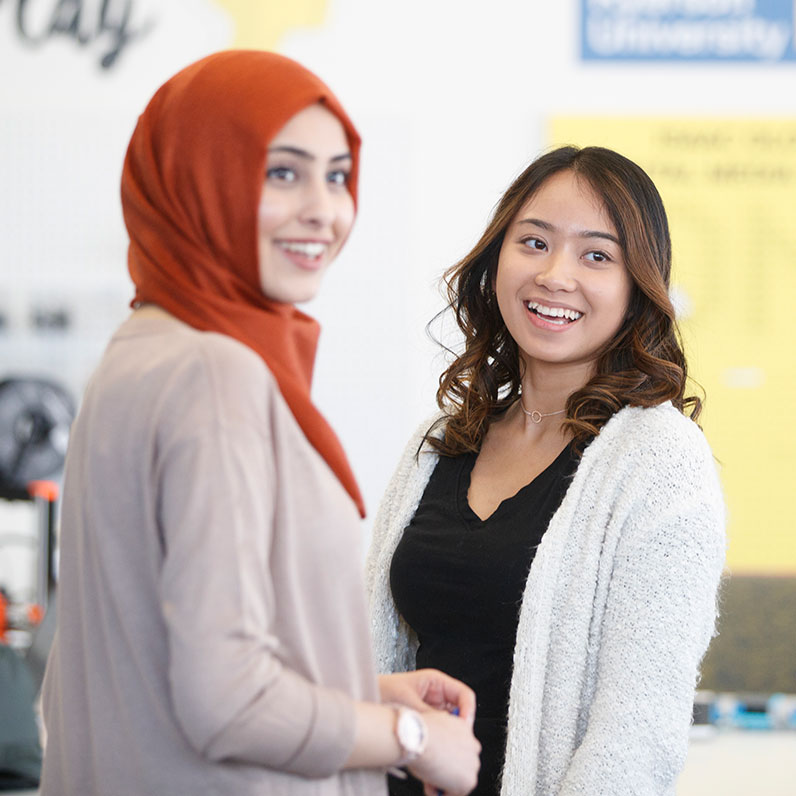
x: 234, y: 694
x: 394, y: 643
x: 659, y: 618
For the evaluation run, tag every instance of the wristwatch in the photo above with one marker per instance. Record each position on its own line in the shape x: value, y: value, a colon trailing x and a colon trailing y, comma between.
x: 412, y: 734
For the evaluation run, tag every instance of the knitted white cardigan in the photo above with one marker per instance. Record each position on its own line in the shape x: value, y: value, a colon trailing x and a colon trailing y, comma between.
x: 619, y: 607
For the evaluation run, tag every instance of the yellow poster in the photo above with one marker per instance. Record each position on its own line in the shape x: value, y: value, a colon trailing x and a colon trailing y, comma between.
x: 261, y: 24
x: 729, y: 186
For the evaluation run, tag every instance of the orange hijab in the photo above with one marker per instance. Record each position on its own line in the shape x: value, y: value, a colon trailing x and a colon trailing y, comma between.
x: 191, y: 185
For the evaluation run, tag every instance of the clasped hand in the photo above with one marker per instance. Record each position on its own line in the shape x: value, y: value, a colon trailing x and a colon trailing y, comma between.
x: 450, y: 761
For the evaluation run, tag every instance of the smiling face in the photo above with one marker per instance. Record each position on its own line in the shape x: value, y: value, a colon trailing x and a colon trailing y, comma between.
x: 306, y: 210
x: 561, y: 285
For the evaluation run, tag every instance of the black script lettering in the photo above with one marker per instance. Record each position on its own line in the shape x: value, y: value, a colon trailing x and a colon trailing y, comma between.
x: 119, y: 29
x: 70, y: 18
x: 23, y: 28
x: 66, y: 19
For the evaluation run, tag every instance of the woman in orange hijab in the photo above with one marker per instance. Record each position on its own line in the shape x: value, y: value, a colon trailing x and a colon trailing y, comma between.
x: 212, y: 634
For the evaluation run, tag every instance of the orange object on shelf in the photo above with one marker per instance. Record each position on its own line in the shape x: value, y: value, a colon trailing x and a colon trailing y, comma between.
x: 3, y: 622
x: 35, y: 614
x: 48, y: 490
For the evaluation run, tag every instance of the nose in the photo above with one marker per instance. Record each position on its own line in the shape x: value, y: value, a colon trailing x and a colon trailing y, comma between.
x: 317, y: 208
x: 556, y: 272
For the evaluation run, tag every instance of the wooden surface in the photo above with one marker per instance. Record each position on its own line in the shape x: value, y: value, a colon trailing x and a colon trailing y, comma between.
x: 740, y: 763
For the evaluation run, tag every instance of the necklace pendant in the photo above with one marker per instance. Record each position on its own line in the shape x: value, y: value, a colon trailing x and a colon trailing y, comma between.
x: 536, y: 416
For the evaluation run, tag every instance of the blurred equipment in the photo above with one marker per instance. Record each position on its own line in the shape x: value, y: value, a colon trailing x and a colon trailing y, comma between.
x: 742, y: 711
x: 19, y: 619
x: 20, y: 750
x: 35, y: 415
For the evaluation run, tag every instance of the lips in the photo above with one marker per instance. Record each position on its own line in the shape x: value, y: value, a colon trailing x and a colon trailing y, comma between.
x: 306, y: 254
x: 306, y: 248
x: 558, y: 316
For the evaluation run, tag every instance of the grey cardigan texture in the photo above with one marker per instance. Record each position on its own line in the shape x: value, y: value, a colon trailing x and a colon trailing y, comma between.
x: 618, y: 609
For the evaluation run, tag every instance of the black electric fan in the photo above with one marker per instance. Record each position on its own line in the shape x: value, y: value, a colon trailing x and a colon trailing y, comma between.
x: 35, y: 415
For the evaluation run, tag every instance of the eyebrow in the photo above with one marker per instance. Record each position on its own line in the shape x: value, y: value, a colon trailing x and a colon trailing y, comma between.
x: 586, y: 233
x: 302, y: 153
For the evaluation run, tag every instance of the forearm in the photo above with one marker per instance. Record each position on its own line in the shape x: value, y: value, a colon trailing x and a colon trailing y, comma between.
x: 447, y: 759
x: 424, y: 690
x: 375, y: 742
x: 263, y: 714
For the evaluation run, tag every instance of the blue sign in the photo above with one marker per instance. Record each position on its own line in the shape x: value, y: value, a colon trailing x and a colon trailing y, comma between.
x: 687, y: 30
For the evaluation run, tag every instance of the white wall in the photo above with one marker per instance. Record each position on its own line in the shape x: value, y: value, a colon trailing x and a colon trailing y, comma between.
x: 452, y: 99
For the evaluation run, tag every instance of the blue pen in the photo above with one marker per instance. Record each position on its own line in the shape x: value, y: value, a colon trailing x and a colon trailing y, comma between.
x: 454, y: 712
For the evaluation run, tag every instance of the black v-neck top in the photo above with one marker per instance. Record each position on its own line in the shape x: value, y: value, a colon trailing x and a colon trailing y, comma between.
x: 458, y: 581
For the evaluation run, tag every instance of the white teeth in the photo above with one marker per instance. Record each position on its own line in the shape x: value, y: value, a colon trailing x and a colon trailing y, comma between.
x: 554, y: 312
x: 308, y: 248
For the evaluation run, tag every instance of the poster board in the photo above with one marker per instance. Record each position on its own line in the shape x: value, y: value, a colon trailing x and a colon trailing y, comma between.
x: 729, y: 186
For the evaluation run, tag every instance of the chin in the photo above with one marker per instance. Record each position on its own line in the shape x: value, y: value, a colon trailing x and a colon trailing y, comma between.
x: 292, y: 294
x: 308, y: 294
x: 304, y: 299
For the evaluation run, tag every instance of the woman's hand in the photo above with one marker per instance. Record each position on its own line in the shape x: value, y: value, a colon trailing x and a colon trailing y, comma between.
x: 450, y: 761
x: 429, y: 688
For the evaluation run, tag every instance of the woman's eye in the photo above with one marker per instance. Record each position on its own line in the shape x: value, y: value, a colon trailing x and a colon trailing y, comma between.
x: 281, y: 174
x: 534, y: 243
x: 598, y: 257
x: 338, y: 177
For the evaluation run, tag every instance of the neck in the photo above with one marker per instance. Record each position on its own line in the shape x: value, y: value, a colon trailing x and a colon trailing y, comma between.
x: 151, y: 311
x: 546, y: 388
x: 535, y: 415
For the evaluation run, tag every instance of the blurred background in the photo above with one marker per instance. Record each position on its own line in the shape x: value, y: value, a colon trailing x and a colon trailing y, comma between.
x: 452, y: 99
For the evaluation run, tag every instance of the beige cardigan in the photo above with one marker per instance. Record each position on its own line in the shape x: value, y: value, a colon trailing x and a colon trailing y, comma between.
x: 212, y: 624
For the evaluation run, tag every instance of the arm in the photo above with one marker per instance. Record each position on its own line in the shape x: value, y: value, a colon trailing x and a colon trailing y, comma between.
x: 658, y: 620
x: 425, y: 690
x: 393, y: 643
x: 232, y: 693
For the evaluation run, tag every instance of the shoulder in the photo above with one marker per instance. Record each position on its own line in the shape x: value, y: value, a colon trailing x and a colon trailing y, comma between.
x: 225, y: 359
x: 206, y: 376
x: 155, y: 344
x: 432, y: 426
x: 231, y: 366
x: 657, y: 448
x: 408, y: 480
x: 659, y: 432
x: 417, y: 448
x: 240, y: 387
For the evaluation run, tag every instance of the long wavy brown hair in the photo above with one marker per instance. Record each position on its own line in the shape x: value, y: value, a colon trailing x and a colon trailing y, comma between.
x: 642, y: 365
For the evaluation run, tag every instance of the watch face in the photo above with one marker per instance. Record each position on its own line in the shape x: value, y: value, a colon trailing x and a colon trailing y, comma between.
x: 410, y: 731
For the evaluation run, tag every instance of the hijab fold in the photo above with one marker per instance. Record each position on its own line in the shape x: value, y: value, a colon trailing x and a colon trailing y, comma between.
x: 191, y: 186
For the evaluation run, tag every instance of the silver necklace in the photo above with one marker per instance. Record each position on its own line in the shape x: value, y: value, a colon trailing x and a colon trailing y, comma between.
x: 536, y: 415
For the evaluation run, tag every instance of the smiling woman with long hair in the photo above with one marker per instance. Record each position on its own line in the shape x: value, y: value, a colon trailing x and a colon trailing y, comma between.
x: 555, y: 537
